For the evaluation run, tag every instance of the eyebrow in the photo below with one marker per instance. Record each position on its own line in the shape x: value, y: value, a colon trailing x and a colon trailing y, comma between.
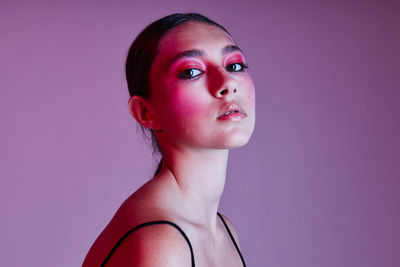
x: 201, y: 53
x: 230, y: 49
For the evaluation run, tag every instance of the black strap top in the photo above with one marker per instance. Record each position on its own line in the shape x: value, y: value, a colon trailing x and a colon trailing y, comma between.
x: 180, y: 230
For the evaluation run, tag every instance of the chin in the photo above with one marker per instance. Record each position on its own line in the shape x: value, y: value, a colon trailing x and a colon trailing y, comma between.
x: 233, y: 140
x: 238, y: 143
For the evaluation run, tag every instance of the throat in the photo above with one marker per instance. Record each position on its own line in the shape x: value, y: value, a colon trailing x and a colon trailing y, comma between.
x: 200, y: 181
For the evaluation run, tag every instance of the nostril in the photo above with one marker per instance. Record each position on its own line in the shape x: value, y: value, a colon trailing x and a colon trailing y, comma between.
x: 223, y: 92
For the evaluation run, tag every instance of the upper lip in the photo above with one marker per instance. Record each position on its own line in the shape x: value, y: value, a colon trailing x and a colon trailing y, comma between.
x: 231, y: 107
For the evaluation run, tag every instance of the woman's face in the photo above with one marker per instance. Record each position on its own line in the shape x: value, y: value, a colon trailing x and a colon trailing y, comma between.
x: 201, y: 93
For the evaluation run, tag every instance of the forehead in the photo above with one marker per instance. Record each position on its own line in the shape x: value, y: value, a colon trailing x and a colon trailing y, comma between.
x: 193, y: 32
x: 193, y: 35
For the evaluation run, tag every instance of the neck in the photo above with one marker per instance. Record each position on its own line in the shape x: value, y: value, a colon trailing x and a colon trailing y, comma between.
x: 200, y: 177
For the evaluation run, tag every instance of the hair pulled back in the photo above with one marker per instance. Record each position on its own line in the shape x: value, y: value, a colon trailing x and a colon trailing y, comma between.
x: 144, y: 50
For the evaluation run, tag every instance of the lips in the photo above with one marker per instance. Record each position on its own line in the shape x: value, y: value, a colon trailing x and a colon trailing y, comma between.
x: 233, y: 112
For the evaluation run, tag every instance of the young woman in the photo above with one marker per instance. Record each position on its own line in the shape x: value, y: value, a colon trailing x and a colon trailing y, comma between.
x: 189, y: 86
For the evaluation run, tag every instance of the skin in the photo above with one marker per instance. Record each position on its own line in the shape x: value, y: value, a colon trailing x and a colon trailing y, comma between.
x: 188, y: 96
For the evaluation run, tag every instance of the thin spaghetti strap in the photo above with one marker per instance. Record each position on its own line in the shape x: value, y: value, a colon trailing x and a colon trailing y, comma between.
x: 233, y: 240
x: 148, y: 224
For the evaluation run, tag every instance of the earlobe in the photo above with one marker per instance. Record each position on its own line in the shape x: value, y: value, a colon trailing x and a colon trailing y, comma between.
x: 141, y: 110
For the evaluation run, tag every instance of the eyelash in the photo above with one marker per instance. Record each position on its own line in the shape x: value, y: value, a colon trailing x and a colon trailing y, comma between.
x: 187, y: 74
x: 242, y: 67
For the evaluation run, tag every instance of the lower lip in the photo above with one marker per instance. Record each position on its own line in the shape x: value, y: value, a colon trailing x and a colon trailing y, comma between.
x: 233, y: 116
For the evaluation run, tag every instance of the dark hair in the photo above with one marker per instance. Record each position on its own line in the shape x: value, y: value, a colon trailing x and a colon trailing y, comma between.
x: 144, y: 50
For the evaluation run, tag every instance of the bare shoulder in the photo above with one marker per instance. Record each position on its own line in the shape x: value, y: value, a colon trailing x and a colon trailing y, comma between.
x: 145, y: 246
x: 152, y: 245
x: 231, y: 228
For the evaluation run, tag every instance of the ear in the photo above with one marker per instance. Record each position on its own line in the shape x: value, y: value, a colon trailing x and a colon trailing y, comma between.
x: 142, y: 111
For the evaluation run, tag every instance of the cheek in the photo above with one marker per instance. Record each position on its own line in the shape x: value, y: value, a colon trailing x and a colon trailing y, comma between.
x: 184, y: 108
x: 186, y: 99
x: 249, y: 90
x: 188, y: 118
x: 187, y: 105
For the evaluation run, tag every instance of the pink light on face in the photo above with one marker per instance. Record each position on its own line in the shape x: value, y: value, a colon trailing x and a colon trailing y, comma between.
x: 186, y: 63
x: 232, y: 116
x: 235, y: 57
x: 232, y: 112
x: 194, y: 79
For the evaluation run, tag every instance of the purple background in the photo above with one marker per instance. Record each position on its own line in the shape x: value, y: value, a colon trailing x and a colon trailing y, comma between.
x: 318, y: 184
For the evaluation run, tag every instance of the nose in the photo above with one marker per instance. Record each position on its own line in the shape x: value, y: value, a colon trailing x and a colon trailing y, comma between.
x: 225, y: 91
x: 223, y: 84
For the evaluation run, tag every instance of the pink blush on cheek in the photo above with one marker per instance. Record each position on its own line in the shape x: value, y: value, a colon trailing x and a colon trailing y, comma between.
x: 189, y: 107
x: 185, y: 107
x: 187, y: 119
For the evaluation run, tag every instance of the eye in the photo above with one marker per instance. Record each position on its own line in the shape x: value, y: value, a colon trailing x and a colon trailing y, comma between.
x: 190, y: 73
x: 236, y: 67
